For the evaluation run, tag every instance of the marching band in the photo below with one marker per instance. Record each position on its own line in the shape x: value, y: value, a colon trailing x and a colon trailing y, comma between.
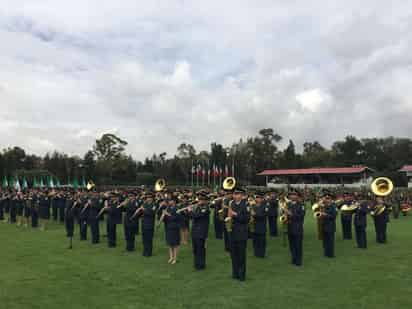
x: 237, y: 216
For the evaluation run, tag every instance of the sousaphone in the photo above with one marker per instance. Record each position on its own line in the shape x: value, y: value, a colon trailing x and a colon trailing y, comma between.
x: 229, y: 183
x: 382, y: 186
x: 160, y: 185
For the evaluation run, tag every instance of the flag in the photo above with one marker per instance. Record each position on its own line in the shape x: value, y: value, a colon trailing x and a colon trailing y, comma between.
x: 216, y: 171
x: 51, y: 183
x: 199, y: 171
x: 75, y: 183
x: 35, y: 183
x: 41, y: 184
x: 226, y: 171
x: 17, y: 184
x: 83, y: 183
x: 58, y: 184
x: 25, y: 184
x: 5, y: 182
x: 193, y: 169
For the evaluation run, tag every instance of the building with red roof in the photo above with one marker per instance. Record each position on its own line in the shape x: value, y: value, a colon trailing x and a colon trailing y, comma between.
x: 354, y: 176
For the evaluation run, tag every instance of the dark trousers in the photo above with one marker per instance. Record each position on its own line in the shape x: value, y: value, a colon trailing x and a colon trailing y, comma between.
x: 273, y: 226
x: 94, y: 228
x: 69, y: 227
x: 55, y: 211
x: 380, y: 230
x: 218, y: 225
x: 238, y: 255
x: 34, y: 219
x: 226, y: 239
x: 295, y: 247
x: 259, y: 245
x: 199, y: 253
x: 111, y: 234
x: 13, y: 215
x: 130, y: 235
x: 147, y: 238
x: 1, y: 213
x: 346, y: 227
x: 83, y: 229
x: 329, y: 244
x: 361, y: 236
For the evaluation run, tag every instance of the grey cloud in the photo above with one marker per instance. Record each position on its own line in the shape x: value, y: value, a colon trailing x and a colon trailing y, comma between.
x: 164, y: 72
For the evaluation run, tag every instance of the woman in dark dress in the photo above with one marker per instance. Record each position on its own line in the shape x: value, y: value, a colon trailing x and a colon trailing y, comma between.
x: 172, y: 227
x: 185, y: 220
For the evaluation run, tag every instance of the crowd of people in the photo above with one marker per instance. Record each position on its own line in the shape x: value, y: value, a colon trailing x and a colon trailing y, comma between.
x: 236, y: 214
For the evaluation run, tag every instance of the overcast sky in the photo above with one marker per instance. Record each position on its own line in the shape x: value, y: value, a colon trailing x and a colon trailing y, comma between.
x: 160, y: 73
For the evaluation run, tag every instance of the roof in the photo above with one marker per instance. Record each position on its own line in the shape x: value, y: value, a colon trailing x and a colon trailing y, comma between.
x: 406, y: 168
x: 315, y: 171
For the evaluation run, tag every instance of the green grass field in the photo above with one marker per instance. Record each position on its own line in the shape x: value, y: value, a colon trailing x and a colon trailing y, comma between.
x: 38, y: 271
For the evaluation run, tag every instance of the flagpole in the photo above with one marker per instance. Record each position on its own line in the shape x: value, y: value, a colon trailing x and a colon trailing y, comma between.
x: 197, y: 177
x: 191, y: 172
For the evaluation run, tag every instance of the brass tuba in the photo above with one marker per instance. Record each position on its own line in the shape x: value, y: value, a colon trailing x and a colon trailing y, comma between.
x: 160, y: 185
x: 229, y: 183
x: 382, y: 186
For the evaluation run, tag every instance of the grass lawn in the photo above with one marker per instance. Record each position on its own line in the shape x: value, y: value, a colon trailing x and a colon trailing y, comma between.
x: 38, y: 271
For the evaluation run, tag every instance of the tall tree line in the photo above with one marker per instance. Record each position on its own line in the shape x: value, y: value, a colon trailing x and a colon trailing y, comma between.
x: 107, y: 162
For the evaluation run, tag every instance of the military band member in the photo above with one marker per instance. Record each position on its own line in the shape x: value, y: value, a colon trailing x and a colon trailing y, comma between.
x: 200, y: 227
x: 44, y: 210
x: 346, y: 217
x: 380, y: 214
x: 360, y: 222
x: 61, y: 205
x: 171, y: 220
x: 34, y: 210
x: 84, y: 209
x: 54, y: 201
x: 95, y: 206
x: 328, y: 219
x: 13, y: 209
x: 185, y: 220
x: 147, y: 212
x: 273, y: 211
x: 27, y: 206
x: 114, y: 217
x: 225, y: 206
x: 295, y: 217
x: 129, y: 221
x: 19, y: 204
x: 218, y: 225
x: 69, y: 218
x: 260, y: 213
x: 238, y: 214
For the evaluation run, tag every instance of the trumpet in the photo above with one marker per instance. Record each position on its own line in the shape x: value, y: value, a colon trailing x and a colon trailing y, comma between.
x: 186, y: 208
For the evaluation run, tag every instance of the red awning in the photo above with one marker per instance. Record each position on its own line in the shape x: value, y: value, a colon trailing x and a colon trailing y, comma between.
x: 406, y: 168
x: 315, y: 171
